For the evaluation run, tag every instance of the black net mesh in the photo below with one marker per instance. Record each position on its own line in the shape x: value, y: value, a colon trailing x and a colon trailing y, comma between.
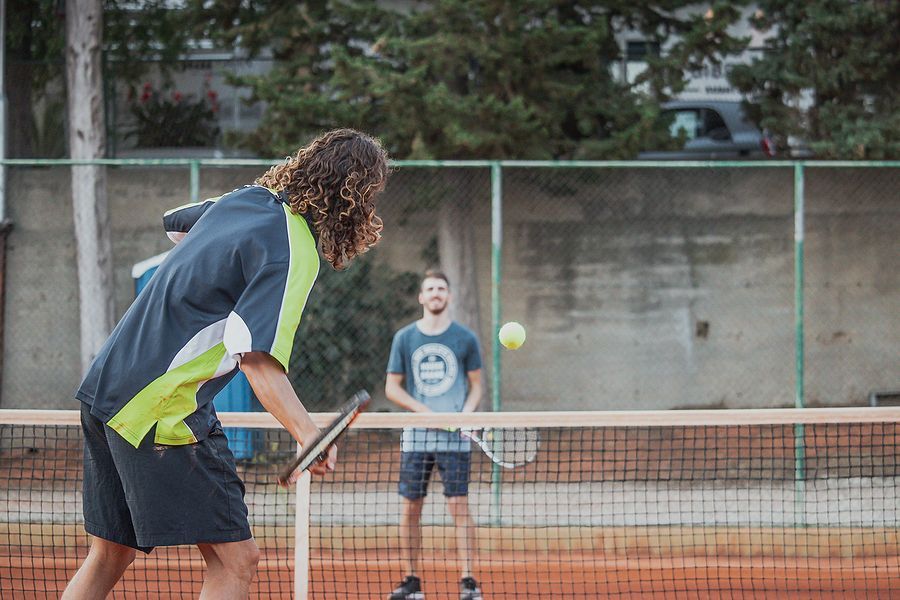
x: 809, y: 511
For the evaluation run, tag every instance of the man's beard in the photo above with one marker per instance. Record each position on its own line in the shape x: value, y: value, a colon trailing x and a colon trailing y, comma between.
x: 436, y: 311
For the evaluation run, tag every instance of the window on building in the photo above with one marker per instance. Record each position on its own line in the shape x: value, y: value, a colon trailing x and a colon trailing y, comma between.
x: 639, y: 50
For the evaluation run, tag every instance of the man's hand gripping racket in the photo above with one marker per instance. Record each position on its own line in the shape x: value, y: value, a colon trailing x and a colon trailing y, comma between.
x: 317, y: 450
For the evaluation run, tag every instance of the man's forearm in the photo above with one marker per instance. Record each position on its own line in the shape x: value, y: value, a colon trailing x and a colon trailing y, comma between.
x: 401, y: 397
x: 472, y: 400
x: 272, y: 387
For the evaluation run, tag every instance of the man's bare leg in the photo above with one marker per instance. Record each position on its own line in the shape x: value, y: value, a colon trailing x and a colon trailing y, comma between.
x: 104, y: 566
x: 231, y: 567
x: 465, y: 532
x: 411, y: 534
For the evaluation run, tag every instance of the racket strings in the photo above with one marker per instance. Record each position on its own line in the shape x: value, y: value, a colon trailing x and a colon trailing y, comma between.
x: 513, y: 446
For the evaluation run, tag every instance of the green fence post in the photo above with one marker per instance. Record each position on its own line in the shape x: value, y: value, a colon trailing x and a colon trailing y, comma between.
x: 496, y: 313
x: 799, y: 402
x: 496, y: 275
x: 195, y: 181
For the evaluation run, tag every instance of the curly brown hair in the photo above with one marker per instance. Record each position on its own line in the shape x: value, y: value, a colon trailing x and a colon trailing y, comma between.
x: 334, y: 182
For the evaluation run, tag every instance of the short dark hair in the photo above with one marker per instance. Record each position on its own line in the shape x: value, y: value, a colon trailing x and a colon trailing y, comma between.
x: 434, y: 274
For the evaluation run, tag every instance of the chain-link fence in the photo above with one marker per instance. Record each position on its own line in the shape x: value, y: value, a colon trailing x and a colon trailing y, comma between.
x: 641, y: 285
x: 433, y: 217
x: 852, y: 286
x: 649, y: 288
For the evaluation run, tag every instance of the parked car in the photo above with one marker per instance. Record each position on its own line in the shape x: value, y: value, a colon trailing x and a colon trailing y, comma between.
x: 714, y: 130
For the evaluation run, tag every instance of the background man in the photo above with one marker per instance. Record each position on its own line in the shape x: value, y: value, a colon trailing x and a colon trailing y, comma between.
x: 435, y: 365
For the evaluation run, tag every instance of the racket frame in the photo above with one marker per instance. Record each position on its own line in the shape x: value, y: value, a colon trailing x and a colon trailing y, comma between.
x: 476, y: 435
x: 317, y: 450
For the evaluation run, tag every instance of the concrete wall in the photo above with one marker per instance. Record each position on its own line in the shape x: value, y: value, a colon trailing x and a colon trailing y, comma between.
x: 675, y: 289
x: 639, y: 288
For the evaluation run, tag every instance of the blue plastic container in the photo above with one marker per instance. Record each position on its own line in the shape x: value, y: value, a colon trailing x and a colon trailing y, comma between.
x: 234, y: 397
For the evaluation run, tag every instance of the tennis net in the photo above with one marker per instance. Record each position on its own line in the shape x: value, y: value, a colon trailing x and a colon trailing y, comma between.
x: 675, y: 504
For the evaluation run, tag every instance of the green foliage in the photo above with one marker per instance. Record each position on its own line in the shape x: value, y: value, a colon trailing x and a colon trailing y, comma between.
x: 49, y: 130
x: 36, y: 36
x: 142, y: 35
x: 136, y: 37
x: 169, y: 118
x: 302, y: 38
x: 840, y: 58
x: 467, y: 79
x: 344, y: 338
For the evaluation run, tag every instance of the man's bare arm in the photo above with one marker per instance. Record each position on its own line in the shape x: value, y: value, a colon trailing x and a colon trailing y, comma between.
x: 396, y: 393
x: 272, y: 387
x: 473, y: 399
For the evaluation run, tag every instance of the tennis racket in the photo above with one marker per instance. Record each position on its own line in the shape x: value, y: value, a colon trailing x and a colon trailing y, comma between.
x: 317, y: 450
x: 509, y: 448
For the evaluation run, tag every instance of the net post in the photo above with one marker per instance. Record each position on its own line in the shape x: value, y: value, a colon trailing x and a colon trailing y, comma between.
x: 799, y: 400
x: 301, y: 538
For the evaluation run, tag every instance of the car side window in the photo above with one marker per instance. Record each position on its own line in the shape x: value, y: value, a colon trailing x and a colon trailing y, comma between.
x: 714, y: 126
x: 687, y: 121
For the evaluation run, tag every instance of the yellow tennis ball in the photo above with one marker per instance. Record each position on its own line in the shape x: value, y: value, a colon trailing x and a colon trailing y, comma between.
x: 512, y: 335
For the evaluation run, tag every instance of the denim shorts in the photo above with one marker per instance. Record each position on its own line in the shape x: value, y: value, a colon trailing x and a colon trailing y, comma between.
x: 416, y: 467
x: 158, y: 495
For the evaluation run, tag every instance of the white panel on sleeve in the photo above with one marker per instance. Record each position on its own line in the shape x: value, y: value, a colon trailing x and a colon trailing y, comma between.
x: 238, y: 338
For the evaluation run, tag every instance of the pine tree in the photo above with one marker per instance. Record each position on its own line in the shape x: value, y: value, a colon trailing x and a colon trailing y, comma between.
x: 302, y: 39
x: 830, y: 75
x: 136, y: 36
x: 454, y: 79
x: 457, y: 79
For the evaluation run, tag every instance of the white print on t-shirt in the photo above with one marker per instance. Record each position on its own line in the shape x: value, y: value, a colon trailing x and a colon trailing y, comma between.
x: 434, y: 368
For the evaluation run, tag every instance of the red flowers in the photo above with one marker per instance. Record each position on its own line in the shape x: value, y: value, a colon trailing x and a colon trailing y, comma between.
x: 169, y: 117
x: 213, y: 97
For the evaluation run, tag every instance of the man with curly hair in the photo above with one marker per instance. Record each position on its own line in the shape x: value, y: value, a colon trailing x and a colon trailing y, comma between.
x: 157, y: 468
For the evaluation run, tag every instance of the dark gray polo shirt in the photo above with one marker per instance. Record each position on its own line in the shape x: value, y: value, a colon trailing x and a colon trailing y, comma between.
x: 237, y: 282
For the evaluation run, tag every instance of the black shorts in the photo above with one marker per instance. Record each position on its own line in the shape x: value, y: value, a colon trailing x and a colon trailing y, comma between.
x: 160, y: 495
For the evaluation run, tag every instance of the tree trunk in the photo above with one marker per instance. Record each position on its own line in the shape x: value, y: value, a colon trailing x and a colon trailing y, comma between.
x: 456, y: 245
x: 87, y: 140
